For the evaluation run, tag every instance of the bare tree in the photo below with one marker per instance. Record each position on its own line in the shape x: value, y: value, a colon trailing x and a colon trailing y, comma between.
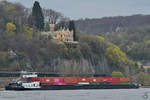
x: 63, y: 23
x: 52, y: 16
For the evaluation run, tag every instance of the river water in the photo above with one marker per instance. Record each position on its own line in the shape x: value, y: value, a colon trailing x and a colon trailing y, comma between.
x: 115, y: 94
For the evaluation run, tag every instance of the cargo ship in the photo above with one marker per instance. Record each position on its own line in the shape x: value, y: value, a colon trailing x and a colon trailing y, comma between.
x: 33, y: 82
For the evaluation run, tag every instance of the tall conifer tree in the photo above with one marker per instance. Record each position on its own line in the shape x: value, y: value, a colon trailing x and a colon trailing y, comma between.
x: 72, y: 27
x: 37, y: 16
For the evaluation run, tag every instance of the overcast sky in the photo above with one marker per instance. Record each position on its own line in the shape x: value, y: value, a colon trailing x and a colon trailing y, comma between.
x: 76, y: 9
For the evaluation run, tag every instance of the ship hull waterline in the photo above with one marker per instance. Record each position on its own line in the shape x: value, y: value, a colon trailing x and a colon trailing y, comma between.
x: 75, y: 87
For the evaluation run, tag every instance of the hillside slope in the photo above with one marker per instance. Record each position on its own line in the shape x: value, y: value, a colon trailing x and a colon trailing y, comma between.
x: 130, y: 33
x: 22, y: 47
x: 110, y: 24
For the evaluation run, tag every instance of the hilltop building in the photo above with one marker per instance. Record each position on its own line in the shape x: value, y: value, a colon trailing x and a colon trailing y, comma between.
x: 64, y: 35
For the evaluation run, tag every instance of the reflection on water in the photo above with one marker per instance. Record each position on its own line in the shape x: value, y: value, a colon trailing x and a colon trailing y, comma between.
x: 145, y: 96
x: 116, y: 94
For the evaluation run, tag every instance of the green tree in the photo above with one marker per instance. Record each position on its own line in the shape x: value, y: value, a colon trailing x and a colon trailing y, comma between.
x: 10, y: 29
x: 72, y: 28
x: 100, y: 38
x: 28, y: 31
x: 3, y: 59
x: 114, y: 54
x: 143, y: 78
x: 116, y: 74
x: 75, y: 53
x: 37, y: 16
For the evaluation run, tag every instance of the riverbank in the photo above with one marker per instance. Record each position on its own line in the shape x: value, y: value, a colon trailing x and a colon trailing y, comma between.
x: 145, y: 86
x: 4, y: 81
x: 2, y: 89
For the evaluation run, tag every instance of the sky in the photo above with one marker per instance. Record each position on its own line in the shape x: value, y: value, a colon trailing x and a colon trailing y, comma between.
x: 76, y: 9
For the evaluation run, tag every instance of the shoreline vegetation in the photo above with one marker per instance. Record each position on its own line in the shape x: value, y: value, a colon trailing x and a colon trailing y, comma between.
x: 23, y: 47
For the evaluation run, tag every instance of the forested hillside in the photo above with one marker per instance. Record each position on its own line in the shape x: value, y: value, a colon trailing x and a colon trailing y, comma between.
x: 130, y: 33
x: 112, y: 24
x: 23, y: 47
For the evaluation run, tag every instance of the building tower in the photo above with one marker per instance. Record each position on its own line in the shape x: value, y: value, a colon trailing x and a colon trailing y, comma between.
x: 52, y: 27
